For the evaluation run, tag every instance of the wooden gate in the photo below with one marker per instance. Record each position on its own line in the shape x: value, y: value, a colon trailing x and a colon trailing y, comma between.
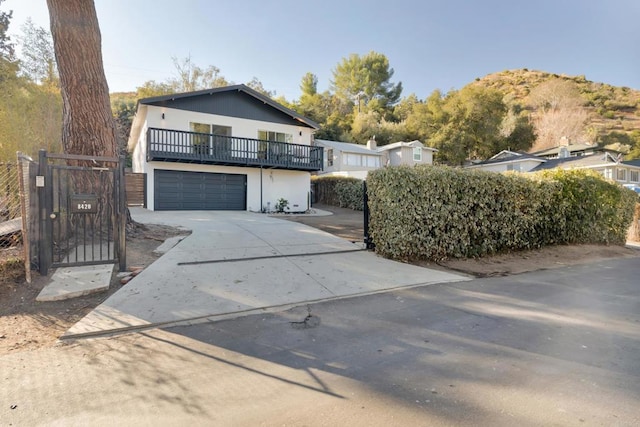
x: 83, y: 210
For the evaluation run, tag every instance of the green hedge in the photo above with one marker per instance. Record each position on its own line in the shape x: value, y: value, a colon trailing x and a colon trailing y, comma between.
x: 439, y: 212
x: 339, y: 191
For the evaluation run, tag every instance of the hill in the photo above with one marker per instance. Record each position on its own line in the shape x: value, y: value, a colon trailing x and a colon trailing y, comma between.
x: 612, y: 110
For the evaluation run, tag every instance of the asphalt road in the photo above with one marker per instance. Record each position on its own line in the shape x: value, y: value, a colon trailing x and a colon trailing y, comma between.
x: 554, y: 347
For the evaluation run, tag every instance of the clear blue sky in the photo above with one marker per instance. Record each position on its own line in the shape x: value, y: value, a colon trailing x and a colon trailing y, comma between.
x: 430, y: 44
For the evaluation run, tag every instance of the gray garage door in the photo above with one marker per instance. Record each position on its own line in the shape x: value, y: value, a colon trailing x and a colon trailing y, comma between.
x: 176, y: 190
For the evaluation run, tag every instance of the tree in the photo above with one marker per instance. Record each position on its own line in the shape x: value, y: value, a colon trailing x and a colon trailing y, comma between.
x: 559, y: 112
x: 191, y: 77
x: 88, y: 125
x: 366, y: 82
x: 256, y: 85
x: 309, y: 85
x: 8, y: 64
x: 6, y: 47
x: 474, y: 116
x: 37, y: 58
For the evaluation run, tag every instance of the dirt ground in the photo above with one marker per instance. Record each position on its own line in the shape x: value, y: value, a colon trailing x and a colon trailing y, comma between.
x: 27, y: 325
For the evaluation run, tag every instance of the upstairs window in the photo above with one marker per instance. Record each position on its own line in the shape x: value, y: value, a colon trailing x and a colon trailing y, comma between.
x: 266, y: 135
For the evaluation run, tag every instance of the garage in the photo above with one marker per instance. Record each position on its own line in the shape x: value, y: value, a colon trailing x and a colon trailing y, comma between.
x: 180, y: 190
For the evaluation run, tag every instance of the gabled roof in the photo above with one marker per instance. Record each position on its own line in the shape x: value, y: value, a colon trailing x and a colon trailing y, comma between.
x: 577, y: 162
x: 571, y: 148
x: 159, y: 100
x: 346, y: 147
x: 506, y: 156
x: 412, y: 144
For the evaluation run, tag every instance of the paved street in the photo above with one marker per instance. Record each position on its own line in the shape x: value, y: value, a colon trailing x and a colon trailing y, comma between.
x: 554, y: 347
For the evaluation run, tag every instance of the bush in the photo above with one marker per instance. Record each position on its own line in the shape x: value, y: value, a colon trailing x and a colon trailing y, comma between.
x: 339, y: 191
x: 440, y: 212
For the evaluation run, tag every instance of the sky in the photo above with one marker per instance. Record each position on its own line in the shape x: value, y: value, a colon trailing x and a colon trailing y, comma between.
x: 430, y: 45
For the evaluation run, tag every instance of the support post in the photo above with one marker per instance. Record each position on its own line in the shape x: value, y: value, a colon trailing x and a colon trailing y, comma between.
x: 365, y: 209
x: 45, y: 245
x: 122, y: 216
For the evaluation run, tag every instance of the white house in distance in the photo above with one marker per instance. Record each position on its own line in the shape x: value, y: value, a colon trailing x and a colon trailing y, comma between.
x: 228, y: 148
x: 351, y: 160
x: 407, y: 153
x: 355, y: 160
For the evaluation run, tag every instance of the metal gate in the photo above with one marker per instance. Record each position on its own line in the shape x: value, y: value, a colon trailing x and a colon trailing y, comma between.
x: 83, y: 210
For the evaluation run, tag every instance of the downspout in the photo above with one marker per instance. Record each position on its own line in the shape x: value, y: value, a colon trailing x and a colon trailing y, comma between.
x: 261, y: 205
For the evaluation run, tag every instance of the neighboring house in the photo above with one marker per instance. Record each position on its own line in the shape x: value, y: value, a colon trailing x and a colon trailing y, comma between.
x: 509, y: 161
x: 609, y: 165
x: 352, y: 160
x: 228, y: 148
x: 407, y: 153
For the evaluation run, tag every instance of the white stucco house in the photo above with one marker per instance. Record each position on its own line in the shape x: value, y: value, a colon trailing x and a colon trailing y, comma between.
x: 228, y: 148
x: 351, y: 160
x: 407, y: 153
x: 356, y: 160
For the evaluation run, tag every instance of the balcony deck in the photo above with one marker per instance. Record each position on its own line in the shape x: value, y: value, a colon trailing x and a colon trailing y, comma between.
x: 193, y: 147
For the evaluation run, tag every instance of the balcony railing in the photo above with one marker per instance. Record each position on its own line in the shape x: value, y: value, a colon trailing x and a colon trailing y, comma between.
x: 193, y: 147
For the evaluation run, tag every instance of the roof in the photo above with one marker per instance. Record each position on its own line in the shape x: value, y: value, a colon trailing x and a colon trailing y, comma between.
x: 577, y: 162
x: 412, y: 144
x: 241, y: 88
x: 506, y: 156
x: 347, y: 147
x: 635, y: 162
x: 571, y: 148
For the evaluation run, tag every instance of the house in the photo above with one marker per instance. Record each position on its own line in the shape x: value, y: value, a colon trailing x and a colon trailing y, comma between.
x: 228, y: 148
x: 355, y: 160
x: 351, y: 160
x: 609, y: 164
x: 407, y: 153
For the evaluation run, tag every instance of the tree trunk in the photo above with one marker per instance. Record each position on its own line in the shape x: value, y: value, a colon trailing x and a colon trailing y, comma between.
x: 88, y: 125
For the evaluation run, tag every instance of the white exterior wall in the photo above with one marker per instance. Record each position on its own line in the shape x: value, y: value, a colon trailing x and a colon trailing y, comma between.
x: 404, y: 156
x: 360, y: 174
x: 241, y: 128
x: 293, y: 186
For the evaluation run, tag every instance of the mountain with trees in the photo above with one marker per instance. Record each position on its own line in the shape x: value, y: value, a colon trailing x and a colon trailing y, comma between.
x: 572, y: 106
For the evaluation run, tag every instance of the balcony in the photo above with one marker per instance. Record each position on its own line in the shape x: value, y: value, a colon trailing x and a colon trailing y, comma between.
x: 193, y: 147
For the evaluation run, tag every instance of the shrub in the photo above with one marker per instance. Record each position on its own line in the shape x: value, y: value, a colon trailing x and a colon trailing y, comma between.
x: 439, y: 212
x: 339, y: 191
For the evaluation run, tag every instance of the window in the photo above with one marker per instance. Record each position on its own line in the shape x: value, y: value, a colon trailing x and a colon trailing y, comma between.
x: 372, y: 161
x: 210, y: 139
x: 200, y: 141
x: 330, y: 157
x: 621, y: 175
x: 633, y: 176
x: 266, y: 135
x: 417, y: 154
x: 352, y: 159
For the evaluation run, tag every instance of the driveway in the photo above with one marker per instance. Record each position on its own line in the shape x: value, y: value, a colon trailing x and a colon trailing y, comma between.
x: 239, y: 263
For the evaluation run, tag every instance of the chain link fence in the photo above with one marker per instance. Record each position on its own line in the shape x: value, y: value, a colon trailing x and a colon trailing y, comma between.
x: 16, y: 208
x: 11, y: 242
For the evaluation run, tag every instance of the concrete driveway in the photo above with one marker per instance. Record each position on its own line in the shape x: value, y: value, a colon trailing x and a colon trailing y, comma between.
x: 239, y: 263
